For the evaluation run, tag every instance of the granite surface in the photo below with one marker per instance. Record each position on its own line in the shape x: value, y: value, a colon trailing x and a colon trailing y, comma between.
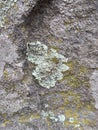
x: 71, y: 28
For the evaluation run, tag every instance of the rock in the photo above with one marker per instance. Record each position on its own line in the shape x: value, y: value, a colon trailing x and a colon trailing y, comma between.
x: 12, y: 11
x: 7, y: 53
x: 2, y: 64
x: 94, y: 86
x: 71, y: 28
x: 7, y: 50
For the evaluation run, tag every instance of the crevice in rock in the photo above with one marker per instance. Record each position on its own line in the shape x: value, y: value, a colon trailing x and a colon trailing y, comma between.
x: 38, y: 10
x: 33, y: 23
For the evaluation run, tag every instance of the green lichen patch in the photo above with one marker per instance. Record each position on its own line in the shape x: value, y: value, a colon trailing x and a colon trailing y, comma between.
x: 50, y: 115
x: 49, y: 64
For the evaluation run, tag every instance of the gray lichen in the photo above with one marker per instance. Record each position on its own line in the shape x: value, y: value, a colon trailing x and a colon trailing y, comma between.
x: 49, y: 64
x: 61, y: 118
x: 55, y: 118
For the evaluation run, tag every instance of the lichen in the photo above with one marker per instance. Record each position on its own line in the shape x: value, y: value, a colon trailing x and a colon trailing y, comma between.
x: 49, y: 64
x: 5, y: 123
x: 5, y: 73
x: 61, y: 117
x: 53, y: 117
x: 77, y: 110
x: 76, y: 76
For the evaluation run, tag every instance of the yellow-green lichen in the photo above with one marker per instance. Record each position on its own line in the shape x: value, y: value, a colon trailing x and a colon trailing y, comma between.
x: 69, y: 100
x: 57, y: 40
x: 73, y: 107
x: 76, y: 76
x: 24, y: 118
x: 5, y: 123
x: 55, y: 48
x: 5, y: 120
x: 5, y: 74
x: 35, y: 116
x: 76, y: 105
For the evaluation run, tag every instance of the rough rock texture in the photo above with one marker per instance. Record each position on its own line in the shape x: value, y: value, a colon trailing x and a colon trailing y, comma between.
x: 12, y: 11
x: 71, y: 28
x: 94, y: 84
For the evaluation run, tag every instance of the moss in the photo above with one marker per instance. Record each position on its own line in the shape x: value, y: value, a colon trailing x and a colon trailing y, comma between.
x: 69, y: 113
x: 73, y: 119
x: 35, y: 116
x: 6, y: 20
x: 55, y: 48
x: 73, y: 107
x: 51, y: 38
x: 76, y: 76
x: 76, y: 104
x: 5, y: 119
x: 60, y: 40
x: 67, y: 23
x: 74, y: 99
x: 88, y: 122
x: 5, y: 73
x: 55, y: 60
x: 24, y: 118
x: 70, y: 100
x: 73, y: 81
x: 26, y: 79
x: 5, y: 123
x: 11, y: 87
x: 83, y: 70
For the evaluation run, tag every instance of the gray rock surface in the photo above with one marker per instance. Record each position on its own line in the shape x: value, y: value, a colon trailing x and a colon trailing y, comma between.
x: 71, y: 28
x: 94, y: 84
x: 7, y: 52
x: 12, y: 11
